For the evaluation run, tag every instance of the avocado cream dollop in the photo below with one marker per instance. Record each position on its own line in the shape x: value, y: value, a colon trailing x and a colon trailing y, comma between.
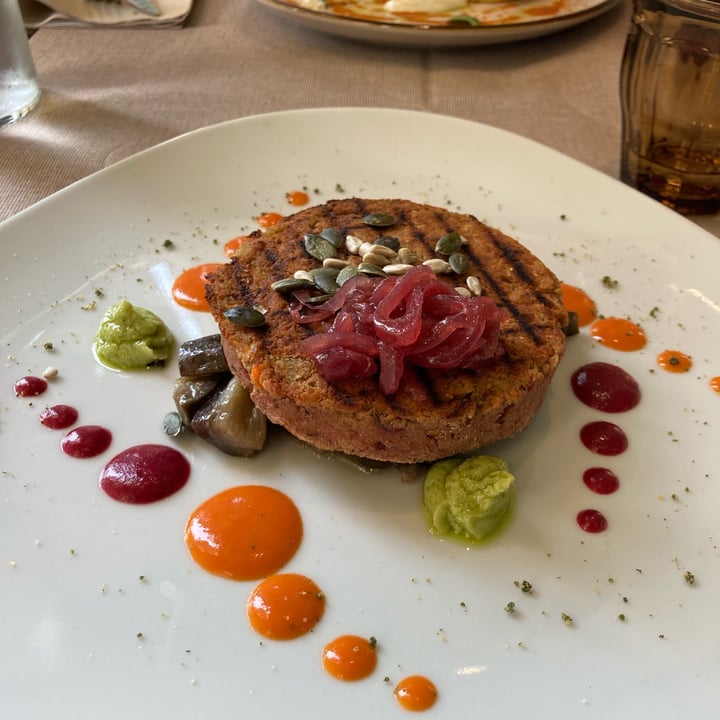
x: 131, y: 337
x: 469, y: 497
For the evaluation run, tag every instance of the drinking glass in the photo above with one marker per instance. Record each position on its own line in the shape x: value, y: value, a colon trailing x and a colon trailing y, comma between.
x: 670, y: 98
x: 19, y: 89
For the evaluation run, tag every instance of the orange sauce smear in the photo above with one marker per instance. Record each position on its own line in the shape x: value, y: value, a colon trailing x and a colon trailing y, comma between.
x: 297, y: 197
x: 618, y: 334
x: 188, y: 289
x: 286, y: 606
x: 244, y: 533
x: 578, y: 301
x: 715, y: 383
x: 674, y: 361
x: 233, y: 244
x: 416, y: 693
x: 350, y: 657
x: 268, y: 219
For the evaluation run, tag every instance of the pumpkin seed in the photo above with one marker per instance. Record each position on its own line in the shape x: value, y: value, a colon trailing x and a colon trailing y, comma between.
x: 349, y: 271
x: 245, y: 316
x: 379, y: 220
x: 388, y: 241
x: 458, y: 262
x: 172, y: 424
x: 369, y: 269
x: 449, y: 243
x: 333, y: 236
x: 318, y: 247
x: 325, y: 280
x: 292, y: 283
x: 318, y: 299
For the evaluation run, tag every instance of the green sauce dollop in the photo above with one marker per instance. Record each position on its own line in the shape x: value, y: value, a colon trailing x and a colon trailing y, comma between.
x: 468, y: 498
x: 131, y: 337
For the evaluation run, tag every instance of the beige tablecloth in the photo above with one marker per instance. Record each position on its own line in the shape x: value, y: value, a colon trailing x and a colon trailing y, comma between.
x: 108, y: 93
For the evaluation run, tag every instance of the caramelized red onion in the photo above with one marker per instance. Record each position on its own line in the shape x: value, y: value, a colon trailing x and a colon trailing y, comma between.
x: 378, y: 325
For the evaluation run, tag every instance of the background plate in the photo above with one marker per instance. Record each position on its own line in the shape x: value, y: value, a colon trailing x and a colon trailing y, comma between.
x: 500, y: 23
x: 83, y: 635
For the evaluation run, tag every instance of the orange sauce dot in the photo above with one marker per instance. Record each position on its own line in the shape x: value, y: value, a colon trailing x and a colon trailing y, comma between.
x: 674, y: 361
x: 715, y: 383
x: 188, y: 289
x: 232, y: 245
x: 245, y: 532
x: 283, y: 607
x: 416, y: 693
x: 268, y: 219
x: 297, y: 197
x: 350, y: 657
x: 618, y: 334
x: 578, y: 301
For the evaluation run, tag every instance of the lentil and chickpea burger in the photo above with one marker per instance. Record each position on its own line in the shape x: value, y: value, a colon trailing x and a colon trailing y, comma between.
x: 390, y: 330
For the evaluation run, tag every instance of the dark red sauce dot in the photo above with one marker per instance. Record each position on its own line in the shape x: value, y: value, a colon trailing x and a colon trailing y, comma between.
x: 145, y: 473
x: 605, y: 387
x: 30, y: 386
x: 601, y: 480
x: 592, y: 521
x: 603, y: 438
x: 86, y: 441
x: 58, y: 417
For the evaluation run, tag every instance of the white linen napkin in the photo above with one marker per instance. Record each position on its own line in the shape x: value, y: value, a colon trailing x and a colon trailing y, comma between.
x: 85, y: 13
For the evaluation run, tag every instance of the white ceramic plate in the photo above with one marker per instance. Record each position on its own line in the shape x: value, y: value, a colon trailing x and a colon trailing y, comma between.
x: 72, y: 600
x: 502, y: 22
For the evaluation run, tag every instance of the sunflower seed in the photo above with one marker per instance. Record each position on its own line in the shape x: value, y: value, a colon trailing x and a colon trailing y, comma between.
x: 407, y: 256
x: 463, y: 291
x: 303, y: 275
x: 397, y: 268
x: 337, y: 263
x: 438, y: 265
x: 375, y: 259
x: 353, y: 243
x: 473, y: 285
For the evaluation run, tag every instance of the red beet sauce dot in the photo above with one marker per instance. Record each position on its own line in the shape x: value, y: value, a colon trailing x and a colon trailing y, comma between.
x: 605, y: 387
x: 86, y: 441
x: 144, y: 473
x: 30, y: 386
x: 592, y: 521
x: 603, y: 438
x: 601, y: 480
x: 58, y: 417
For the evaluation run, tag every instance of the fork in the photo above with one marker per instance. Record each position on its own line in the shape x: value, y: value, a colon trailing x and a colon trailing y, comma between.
x: 144, y: 6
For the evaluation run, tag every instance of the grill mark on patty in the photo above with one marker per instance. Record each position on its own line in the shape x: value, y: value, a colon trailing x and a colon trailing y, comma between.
x: 504, y: 298
x: 511, y: 255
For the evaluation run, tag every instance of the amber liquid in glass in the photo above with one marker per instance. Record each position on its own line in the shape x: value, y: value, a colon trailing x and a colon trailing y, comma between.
x: 670, y: 93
